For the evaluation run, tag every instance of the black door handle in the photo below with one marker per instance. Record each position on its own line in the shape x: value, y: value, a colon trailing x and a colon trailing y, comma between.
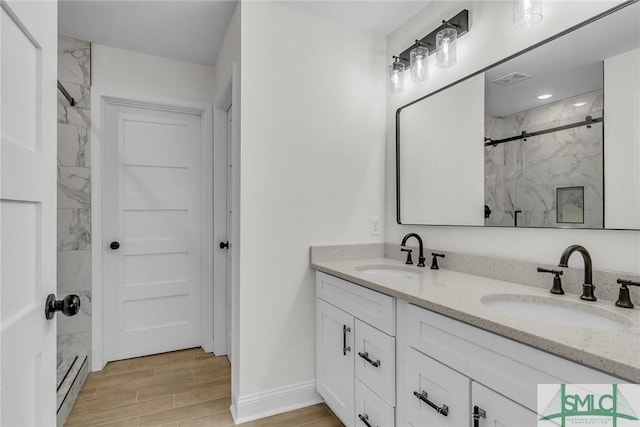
x: 69, y: 305
x: 224, y: 245
x: 114, y: 245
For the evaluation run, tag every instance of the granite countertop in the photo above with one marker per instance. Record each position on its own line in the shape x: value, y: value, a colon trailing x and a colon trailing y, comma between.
x: 459, y: 296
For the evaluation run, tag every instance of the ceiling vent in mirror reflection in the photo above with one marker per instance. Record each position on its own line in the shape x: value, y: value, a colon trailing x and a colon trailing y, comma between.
x: 511, y: 79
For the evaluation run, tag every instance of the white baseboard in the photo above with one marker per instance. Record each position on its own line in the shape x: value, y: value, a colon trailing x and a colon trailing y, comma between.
x: 276, y: 401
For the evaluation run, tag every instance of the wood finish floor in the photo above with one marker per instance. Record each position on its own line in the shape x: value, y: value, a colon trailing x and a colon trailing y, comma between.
x: 182, y: 388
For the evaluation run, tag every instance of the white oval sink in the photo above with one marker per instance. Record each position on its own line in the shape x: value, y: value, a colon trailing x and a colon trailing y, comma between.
x: 548, y: 310
x: 390, y: 271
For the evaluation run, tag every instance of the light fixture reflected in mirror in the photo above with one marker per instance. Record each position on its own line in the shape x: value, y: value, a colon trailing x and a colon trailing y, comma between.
x: 419, y: 60
x: 396, y: 75
x: 526, y: 13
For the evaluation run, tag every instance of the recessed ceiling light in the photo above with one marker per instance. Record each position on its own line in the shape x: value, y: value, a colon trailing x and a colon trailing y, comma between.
x: 545, y: 96
x: 579, y: 104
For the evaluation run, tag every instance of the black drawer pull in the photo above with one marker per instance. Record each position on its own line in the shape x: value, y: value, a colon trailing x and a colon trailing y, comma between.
x: 478, y: 413
x: 365, y: 356
x: 365, y: 419
x: 345, y: 349
x: 444, y: 410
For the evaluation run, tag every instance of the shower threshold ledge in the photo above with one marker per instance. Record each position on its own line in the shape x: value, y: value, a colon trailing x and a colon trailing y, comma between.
x: 71, y: 374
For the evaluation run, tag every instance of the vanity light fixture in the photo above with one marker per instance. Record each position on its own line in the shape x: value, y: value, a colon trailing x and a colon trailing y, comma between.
x: 527, y: 13
x: 544, y: 96
x: 441, y: 41
x: 579, y: 104
x: 396, y: 75
x: 419, y: 62
x: 446, y: 45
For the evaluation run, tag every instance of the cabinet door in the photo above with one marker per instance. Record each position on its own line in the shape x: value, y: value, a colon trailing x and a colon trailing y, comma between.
x: 499, y: 411
x: 370, y: 409
x: 379, y: 371
x: 334, y: 360
x: 446, y: 390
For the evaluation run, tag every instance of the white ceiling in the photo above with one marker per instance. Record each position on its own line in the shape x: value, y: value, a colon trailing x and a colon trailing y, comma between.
x: 565, y: 67
x: 185, y: 30
x: 193, y: 31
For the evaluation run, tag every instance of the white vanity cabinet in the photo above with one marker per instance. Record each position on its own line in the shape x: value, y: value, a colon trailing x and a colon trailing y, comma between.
x: 442, y: 361
x: 355, y: 352
x: 334, y: 358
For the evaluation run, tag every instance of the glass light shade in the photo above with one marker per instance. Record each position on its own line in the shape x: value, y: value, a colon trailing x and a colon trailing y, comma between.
x: 396, y: 76
x: 526, y: 13
x: 446, y: 47
x: 419, y: 62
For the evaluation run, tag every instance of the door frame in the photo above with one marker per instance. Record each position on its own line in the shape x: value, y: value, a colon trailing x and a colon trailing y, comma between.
x: 221, y: 187
x: 100, y: 98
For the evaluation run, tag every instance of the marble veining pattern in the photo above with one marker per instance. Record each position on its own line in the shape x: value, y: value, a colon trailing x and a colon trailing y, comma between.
x: 74, y: 271
x: 74, y: 188
x: 524, y: 175
x: 76, y: 344
x: 74, y: 196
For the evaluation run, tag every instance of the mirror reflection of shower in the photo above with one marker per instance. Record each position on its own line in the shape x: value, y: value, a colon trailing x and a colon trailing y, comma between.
x: 536, y: 160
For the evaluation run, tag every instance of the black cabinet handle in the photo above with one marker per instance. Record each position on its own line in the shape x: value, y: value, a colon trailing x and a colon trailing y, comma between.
x: 345, y: 349
x: 115, y: 245
x: 69, y: 305
x: 444, y: 410
x: 224, y: 245
x: 477, y: 414
x: 365, y: 419
x: 365, y: 356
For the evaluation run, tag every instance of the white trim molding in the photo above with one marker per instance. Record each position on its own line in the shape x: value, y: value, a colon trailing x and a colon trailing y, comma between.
x: 276, y: 401
x: 220, y: 217
x: 101, y: 97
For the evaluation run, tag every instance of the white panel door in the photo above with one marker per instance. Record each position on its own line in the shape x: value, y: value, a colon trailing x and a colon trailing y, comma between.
x: 151, y: 231
x: 27, y: 212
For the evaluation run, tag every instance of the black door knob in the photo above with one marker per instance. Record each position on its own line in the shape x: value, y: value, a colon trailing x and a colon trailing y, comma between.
x: 69, y: 305
x: 114, y: 245
x: 224, y: 245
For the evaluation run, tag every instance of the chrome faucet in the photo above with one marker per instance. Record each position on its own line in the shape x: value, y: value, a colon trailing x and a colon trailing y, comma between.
x: 587, y: 287
x: 421, y: 257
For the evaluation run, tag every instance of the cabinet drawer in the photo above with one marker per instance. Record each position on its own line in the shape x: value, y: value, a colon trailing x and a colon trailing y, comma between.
x: 376, y: 309
x: 380, y: 349
x: 500, y: 411
x: 511, y: 368
x: 369, y: 406
x: 442, y: 385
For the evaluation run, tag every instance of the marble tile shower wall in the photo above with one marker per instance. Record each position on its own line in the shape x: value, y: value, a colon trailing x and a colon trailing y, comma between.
x: 524, y: 175
x: 74, y: 197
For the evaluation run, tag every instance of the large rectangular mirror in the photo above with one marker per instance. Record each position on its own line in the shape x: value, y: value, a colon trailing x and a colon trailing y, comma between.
x: 493, y: 150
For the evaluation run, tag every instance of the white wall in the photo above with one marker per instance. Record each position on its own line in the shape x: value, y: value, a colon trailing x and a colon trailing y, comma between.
x: 492, y: 37
x: 147, y: 75
x: 622, y: 136
x: 227, y: 69
x: 313, y: 125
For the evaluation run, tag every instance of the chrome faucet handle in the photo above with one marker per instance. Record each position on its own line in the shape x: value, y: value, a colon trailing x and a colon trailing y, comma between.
x: 408, y: 251
x: 557, y: 282
x: 624, y: 297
